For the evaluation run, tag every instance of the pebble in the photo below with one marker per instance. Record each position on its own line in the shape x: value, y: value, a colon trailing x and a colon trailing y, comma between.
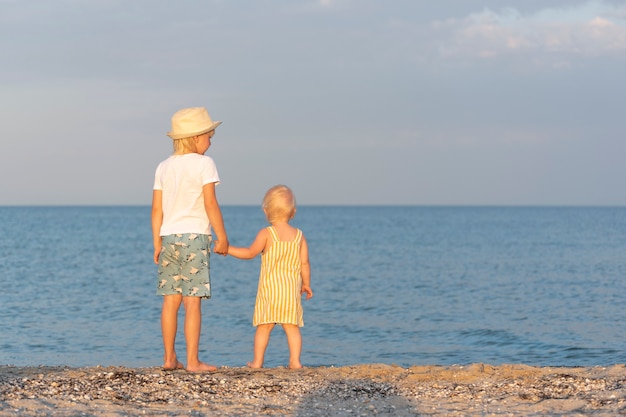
x: 359, y: 390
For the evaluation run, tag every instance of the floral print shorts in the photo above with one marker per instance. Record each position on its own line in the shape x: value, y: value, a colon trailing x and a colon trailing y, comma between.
x: 184, y: 265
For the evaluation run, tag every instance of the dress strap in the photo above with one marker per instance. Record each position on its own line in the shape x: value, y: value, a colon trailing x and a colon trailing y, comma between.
x: 298, y: 237
x: 273, y: 233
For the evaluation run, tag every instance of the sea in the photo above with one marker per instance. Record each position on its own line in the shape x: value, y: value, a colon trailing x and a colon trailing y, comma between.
x: 403, y: 285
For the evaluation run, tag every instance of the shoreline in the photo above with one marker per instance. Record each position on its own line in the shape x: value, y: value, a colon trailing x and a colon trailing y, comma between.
x: 364, y: 389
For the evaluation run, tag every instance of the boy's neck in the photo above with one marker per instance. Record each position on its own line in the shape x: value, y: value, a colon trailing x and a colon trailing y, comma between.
x: 187, y: 153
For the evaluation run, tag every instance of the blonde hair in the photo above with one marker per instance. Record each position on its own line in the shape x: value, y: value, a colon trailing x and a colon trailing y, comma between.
x: 184, y: 145
x: 279, y: 203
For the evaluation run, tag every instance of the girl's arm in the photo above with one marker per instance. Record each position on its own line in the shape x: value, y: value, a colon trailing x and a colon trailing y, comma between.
x: 157, y: 221
x: 214, y: 212
x: 253, y: 250
x: 305, y: 270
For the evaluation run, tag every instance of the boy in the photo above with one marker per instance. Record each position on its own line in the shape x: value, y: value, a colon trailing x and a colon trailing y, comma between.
x: 184, y: 210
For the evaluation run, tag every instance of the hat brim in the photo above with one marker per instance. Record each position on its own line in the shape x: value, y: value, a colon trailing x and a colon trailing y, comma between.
x: 183, y: 135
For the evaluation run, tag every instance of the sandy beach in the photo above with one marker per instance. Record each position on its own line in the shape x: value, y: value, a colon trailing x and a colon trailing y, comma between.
x: 375, y: 389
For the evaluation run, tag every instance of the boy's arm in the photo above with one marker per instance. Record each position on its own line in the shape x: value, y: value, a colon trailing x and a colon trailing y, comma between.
x: 305, y: 270
x: 157, y: 221
x: 214, y: 212
x: 253, y: 250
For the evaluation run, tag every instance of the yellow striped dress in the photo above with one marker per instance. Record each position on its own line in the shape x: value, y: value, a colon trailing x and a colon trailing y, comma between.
x: 278, y: 298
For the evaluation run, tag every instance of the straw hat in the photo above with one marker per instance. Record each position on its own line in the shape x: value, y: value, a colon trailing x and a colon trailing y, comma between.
x: 190, y: 122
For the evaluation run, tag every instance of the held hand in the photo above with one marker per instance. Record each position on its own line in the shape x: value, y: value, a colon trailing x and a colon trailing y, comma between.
x: 306, y: 289
x: 221, y: 247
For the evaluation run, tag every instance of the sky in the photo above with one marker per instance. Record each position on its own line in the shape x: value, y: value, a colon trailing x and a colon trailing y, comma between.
x: 349, y: 102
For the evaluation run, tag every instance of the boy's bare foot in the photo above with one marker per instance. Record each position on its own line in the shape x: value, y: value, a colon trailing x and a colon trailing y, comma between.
x: 254, y: 365
x: 173, y: 366
x: 201, y: 367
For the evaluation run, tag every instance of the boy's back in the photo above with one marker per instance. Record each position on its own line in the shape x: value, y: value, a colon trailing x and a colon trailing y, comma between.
x: 181, y: 178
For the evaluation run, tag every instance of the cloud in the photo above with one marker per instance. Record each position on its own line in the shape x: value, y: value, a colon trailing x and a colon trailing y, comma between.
x: 549, y: 36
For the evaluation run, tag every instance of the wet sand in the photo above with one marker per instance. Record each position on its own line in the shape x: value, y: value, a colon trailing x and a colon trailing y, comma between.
x: 374, y: 389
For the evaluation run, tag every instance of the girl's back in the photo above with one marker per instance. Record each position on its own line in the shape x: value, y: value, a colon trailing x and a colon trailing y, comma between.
x: 280, y: 281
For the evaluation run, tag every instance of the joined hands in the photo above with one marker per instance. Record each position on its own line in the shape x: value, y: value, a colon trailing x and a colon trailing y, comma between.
x: 221, y: 247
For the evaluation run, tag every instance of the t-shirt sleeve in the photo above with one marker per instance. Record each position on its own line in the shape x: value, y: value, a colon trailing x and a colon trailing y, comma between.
x: 157, y: 179
x: 209, y: 172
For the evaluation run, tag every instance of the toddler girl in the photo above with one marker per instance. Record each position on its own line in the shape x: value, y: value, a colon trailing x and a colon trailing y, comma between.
x: 285, y: 275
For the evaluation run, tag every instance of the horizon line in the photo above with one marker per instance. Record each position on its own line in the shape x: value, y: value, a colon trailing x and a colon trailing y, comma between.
x: 435, y: 205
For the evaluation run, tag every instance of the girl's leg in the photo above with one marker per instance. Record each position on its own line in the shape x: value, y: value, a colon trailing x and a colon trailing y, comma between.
x: 169, y: 325
x: 294, y: 341
x: 193, y: 324
x: 261, y: 340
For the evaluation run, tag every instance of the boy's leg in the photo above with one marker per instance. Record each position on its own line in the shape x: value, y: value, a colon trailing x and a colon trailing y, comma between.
x: 261, y: 340
x: 294, y: 341
x: 193, y: 325
x: 169, y: 325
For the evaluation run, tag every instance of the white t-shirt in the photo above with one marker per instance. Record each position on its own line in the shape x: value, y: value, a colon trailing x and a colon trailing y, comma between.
x: 181, y: 178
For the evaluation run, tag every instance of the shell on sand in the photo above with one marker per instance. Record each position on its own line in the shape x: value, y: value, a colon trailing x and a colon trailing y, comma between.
x: 375, y: 389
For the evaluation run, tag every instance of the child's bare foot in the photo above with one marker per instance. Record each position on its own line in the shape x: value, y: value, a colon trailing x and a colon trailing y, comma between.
x: 254, y: 365
x: 296, y: 365
x: 201, y: 367
x: 172, y: 366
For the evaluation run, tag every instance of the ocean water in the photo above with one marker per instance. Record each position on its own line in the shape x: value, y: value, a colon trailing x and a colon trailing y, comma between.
x: 543, y: 286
